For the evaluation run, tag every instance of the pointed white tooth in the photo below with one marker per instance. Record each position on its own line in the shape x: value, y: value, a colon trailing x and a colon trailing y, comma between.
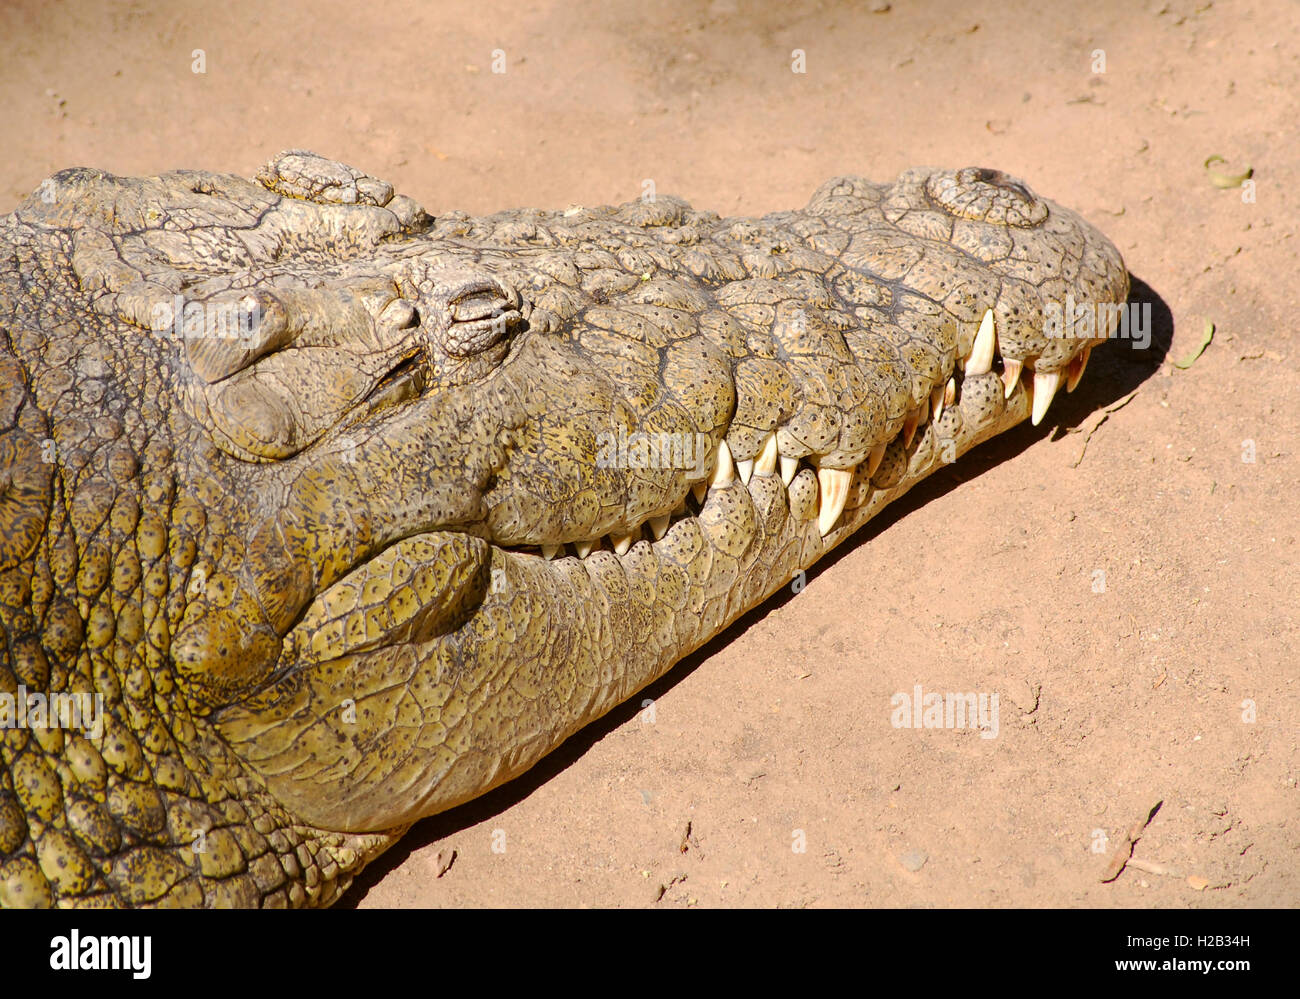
x: 950, y: 393
x: 622, y: 542
x: 700, y: 489
x: 1010, y: 375
x: 550, y: 551
x: 766, y: 461
x: 724, y: 472
x: 584, y: 548
x: 1045, y: 384
x: 980, y: 361
x: 936, y: 401
x: 875, y: 458
x: 789, y: 468
x: 833, y: 493
x: 1077, y: 367
x: 909, y: 427
x: 659, y: 525
x: 745, y: 469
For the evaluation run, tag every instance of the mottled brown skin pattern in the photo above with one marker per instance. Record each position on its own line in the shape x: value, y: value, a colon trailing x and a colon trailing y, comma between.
x: 306, y: 568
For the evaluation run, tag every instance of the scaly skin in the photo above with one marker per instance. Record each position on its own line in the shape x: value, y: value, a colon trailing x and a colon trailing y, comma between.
x: 315, y: 573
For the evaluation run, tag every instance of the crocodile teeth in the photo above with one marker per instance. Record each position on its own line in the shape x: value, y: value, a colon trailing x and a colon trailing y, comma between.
x: 745, y: 469
x: 936, y: 401
x: 1010, y: 375
x: 789, y: 469
x: 550, y: 551
x: 659, y: 525
x: 699, y: 491
x: 909, y: 426
x: 622, y: 542
x: 724, y: 471
x: 950, y: 392
x: 1077, y: 366
x: 584, y: 548
x: 875, y: 458
x: 980, y: 361
x: 766, y: 461
x: 1045, y: 385
x: 834, y: 492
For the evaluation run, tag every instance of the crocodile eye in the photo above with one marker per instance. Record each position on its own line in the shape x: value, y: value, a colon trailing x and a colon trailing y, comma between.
x: 462, y: 313
x: 479, y: 314
x: 985, y: 195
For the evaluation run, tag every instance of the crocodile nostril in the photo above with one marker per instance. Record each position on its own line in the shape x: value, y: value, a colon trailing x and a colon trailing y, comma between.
x: 982, y: 194
x: 987, y: 175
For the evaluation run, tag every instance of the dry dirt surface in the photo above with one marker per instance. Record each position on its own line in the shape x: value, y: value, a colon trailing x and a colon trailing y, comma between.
x: 1123, y: 578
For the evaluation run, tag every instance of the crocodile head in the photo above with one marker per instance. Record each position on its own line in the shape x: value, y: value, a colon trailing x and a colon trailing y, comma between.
x: 351, y: 514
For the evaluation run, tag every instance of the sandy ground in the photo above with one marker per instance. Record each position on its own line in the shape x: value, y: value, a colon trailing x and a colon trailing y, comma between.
x: 1133, y: 604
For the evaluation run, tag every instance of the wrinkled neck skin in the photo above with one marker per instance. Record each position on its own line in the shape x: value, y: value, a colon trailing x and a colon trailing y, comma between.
x: 130, y: 797
x: 442, y: 491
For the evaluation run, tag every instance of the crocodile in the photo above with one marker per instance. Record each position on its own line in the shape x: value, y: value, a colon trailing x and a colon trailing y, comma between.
x: 320, y: 513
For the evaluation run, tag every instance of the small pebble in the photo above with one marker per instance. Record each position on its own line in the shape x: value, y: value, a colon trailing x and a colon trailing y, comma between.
x: 913, y: 860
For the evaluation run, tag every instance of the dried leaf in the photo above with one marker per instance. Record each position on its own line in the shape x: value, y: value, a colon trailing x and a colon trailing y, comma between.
x: 1227, y: 180
x: 1206, y: 337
